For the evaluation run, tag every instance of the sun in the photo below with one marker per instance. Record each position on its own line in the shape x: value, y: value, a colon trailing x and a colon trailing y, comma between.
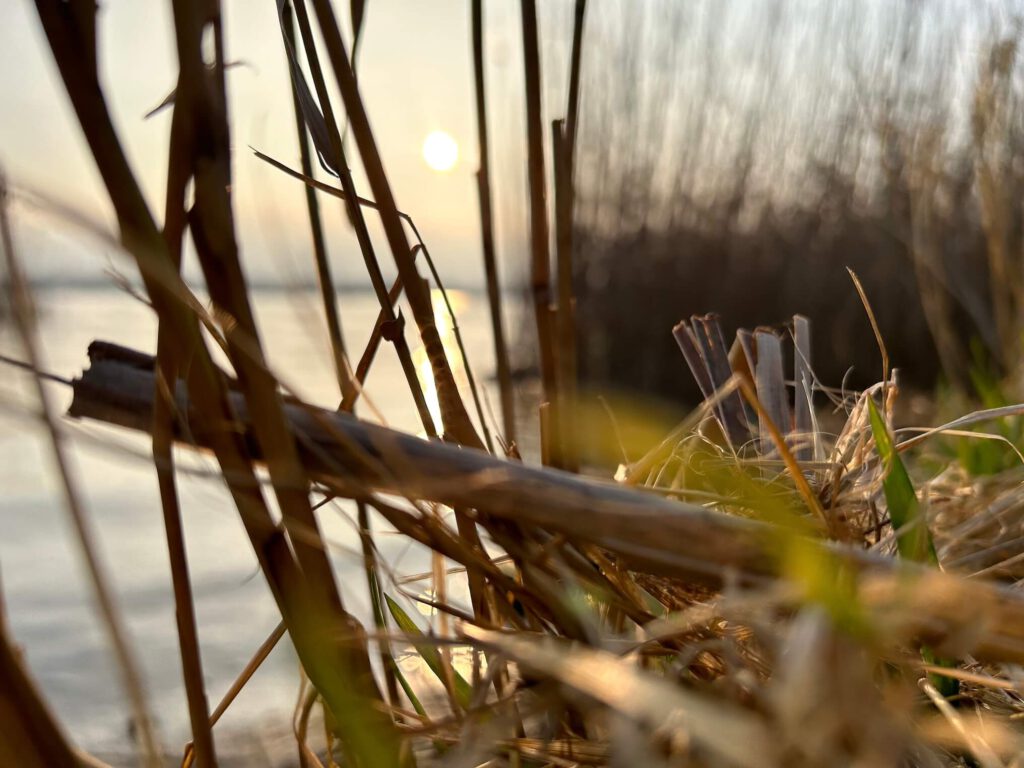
x: 440, y: 151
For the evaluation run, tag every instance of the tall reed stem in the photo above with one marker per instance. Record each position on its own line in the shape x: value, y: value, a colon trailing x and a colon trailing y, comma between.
x: 483, y: 178
x: 540, y: 248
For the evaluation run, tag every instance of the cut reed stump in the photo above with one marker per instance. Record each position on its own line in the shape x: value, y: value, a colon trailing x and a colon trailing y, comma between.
x: 647, y: 533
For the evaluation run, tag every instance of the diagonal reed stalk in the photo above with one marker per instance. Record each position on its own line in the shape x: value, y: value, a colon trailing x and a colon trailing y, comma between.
x: 382, y: 325
x: 323, y: 268
x: 336, y: 157
x: 344, y: 373
x: 457, y: 424
x: 483, y: 178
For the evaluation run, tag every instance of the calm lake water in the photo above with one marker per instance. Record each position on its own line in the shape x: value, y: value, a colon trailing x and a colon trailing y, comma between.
x: 48, y: 601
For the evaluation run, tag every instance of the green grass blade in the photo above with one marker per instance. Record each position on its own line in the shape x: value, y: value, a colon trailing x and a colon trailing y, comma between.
x: 913, y: 537
x: 463, y: 690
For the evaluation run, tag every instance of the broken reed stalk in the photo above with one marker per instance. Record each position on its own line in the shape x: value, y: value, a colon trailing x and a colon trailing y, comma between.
x: 483, y: 179
x: 457, y: 424
x: 643, y: 531
x: 341, y: 672
x: 540, y: 271
x: 396, y: 332
x: 323, y: 267
x: 128, y: 667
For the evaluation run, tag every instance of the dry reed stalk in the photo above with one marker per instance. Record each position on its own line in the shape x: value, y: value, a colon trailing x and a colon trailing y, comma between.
x: 30, y: 735
x: 334, y: 154
x: 803, y: 402
x: 382, y: 325
x: 457, y: 425
x: 348, y: 387
x: 565, y: 316
x: 563, y: 153
x: 483, y: 178
x: 181, y: 145
x: 456, y: 419
x: 647, y: 533
x: 540, y: 269
x: 328, y: 294
x: 212, y: 226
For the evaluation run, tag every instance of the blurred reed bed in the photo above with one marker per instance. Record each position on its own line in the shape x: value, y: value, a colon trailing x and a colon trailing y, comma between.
x: 752, y: 151
x: 752, y: 588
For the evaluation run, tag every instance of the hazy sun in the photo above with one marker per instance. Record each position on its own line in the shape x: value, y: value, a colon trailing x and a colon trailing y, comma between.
x: 440, y: 151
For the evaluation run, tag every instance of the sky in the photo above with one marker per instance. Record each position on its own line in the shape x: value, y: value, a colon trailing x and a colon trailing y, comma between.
x: 416, y: 77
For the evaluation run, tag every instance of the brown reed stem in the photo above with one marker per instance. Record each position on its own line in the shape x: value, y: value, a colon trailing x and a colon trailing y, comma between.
x: 456, y: 419
x: 212, y: 226
x: 168, y: 367
x: 381, y: 325
x: 483, y: 178
x: 563, y: 149
x: 396, y: 332
x: 457, y: 425
x: 328, y: 294
x: 565, y: 317
x: 239, y: 683
x: 539, y: 232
